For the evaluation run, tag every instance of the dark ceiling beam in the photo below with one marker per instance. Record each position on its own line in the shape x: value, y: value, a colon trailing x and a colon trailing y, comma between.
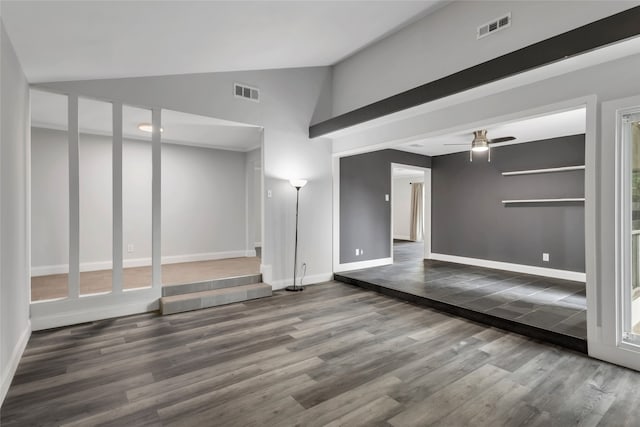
x: 603, y: 32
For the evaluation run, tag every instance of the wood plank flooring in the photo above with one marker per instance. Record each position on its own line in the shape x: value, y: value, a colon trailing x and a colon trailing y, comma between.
x: 91, y: 282
x: 555, y: 305
x: 331, y: 355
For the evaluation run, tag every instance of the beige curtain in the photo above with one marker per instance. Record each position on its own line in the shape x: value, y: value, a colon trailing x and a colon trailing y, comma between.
x: 417, y: 226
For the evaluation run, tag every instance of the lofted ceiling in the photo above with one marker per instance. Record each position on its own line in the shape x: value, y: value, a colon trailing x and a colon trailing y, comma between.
x: 49, y: 111
x: 554, y: 125
x: 80, y: 40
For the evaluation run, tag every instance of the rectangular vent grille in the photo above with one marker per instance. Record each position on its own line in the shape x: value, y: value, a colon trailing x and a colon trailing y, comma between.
x: 246, y: 92
x: 494, y: 25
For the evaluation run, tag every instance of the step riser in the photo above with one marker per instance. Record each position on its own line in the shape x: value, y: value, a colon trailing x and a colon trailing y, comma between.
x: 210, y: 285
x: 198, y: 303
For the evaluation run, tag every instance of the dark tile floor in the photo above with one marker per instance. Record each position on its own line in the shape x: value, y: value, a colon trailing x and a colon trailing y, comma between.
x: 551, y: 304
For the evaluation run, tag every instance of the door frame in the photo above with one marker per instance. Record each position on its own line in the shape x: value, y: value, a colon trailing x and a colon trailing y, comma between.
x: 605, y: 337
x: 426, y: 206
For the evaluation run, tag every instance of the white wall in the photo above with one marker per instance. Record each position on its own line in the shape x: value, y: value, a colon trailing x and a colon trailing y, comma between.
x: 422, y: 52
x: 253, y: 177
x: 49, y: 198
x: 202, y: 188
x: 136, y: 201
x: 290, y: 98
x: 203, y: 201
x: 14, y: 206
x: 402, y: 206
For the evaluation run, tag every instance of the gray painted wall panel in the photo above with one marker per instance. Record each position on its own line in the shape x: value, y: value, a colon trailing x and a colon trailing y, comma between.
x: 365, y: 215
x: 469, y: 220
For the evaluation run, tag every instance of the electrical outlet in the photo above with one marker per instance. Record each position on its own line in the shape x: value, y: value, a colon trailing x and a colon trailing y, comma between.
x: 386, y: 197
x: 357, y: 252
x: 545, y: 257
x: 130, y: 248
x: 361, y: 251
x: 269, y: 194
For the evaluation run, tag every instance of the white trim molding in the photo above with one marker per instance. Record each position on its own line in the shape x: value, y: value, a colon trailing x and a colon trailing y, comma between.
x: 401, y: 237
x: 517, y: 268
x: 363, y: 264
x: 12, y: 364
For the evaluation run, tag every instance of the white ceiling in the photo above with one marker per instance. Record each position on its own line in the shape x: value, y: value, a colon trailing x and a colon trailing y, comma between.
x: 49, y: 111
x: 554, y: 125
x: 77, y: 40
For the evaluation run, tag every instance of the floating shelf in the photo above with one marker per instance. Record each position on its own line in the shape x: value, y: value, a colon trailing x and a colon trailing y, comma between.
x: 544, y: 200
x: 548, y: 170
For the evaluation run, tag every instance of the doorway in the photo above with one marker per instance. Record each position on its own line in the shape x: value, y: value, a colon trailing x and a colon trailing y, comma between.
x: 410, y: 212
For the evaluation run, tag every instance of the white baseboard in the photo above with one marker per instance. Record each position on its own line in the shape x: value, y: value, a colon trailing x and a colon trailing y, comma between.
x: 518, y: 268
x: 308, y: 280
x: 362, y: 264
x: 79, y: 314
x: 266, y: 272
x: 402, y: 237
x: 12, y: 364
x: 174, y: 259
x: 140, y: 262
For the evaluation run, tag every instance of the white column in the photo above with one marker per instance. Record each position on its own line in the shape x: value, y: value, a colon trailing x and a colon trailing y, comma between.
x: 117, y: 198
x: 74, y: 198
x: 156, y: 225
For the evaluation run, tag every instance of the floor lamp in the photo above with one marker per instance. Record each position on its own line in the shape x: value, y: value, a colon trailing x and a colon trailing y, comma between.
x: 298, y: 184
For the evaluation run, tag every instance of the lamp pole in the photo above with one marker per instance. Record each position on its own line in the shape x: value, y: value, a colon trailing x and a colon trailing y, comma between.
x: 298, y: 184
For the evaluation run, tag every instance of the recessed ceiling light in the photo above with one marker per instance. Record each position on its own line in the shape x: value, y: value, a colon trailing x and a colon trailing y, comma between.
x: 147, y: 127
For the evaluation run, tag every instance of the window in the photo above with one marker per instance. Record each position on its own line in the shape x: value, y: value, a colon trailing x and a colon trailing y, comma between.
x: 630, y: 137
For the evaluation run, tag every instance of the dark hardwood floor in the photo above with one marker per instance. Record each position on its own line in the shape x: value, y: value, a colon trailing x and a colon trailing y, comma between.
x: 554, y: 305
x: 331, y: 355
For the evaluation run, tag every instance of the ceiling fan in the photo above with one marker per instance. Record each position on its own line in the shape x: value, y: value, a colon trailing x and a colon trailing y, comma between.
x: 481, y: 143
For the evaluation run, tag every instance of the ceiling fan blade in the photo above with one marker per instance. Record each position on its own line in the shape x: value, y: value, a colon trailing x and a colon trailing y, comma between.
x: 503, y: 139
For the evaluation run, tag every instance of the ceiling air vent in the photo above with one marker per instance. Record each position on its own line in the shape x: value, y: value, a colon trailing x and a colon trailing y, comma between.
x: 246, y: 92
x: 494, y: 25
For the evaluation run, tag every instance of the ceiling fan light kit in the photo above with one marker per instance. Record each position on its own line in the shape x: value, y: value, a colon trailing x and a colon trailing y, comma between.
x: 481, y: 143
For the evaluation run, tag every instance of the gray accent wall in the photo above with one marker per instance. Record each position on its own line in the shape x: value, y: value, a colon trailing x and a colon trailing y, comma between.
x: 365, y: 215
x: 469, y: 219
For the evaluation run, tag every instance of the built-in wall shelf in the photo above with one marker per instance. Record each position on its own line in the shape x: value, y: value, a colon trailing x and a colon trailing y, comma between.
x: 564, y: 200
x: 547, y: 170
